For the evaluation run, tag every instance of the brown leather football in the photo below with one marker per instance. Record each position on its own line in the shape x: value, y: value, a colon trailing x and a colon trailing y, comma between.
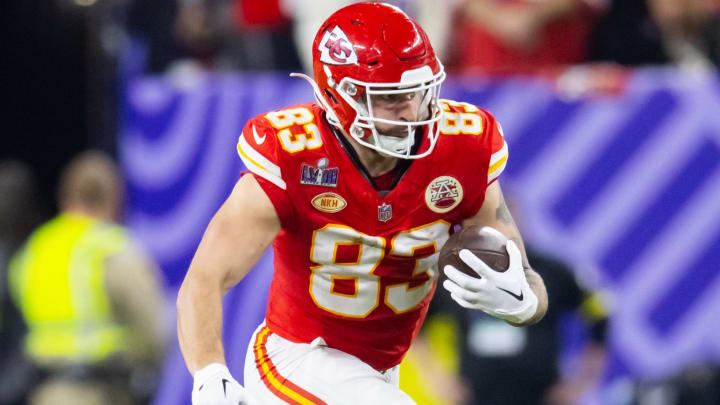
x: 486, y: 243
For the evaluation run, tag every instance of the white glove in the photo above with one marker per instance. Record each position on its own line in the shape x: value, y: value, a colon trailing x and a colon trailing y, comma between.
x: 505, y: 295
x: 213, y: 385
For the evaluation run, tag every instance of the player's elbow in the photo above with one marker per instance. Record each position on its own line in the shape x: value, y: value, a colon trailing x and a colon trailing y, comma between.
x: 199, y: 286
x: 182, y: 298
x: 190, y: 287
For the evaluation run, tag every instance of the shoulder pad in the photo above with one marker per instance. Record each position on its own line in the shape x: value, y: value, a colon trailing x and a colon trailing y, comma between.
x: 267, y: 137
x: 486, y: 133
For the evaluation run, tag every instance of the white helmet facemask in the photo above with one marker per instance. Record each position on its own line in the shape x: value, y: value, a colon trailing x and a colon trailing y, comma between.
x: 420, y: 83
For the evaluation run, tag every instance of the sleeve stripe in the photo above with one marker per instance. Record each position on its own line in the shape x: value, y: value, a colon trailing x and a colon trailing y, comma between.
x: 256, y: 168
x: 257, y: 158
x: 492, y: 176
x: 497, y: 163
x: 498, y: 156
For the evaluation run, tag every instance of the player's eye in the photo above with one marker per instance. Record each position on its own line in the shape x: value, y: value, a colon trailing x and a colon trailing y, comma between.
x: 396, y: 98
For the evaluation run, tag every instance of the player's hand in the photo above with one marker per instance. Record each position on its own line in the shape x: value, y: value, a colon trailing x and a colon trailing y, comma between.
x: 213, y: 385
x: 505, y: 295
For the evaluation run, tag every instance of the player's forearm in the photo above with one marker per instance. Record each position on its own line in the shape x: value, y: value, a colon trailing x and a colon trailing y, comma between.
x: 247, y: 219
x: 533, y: 278
x: 199, y: 308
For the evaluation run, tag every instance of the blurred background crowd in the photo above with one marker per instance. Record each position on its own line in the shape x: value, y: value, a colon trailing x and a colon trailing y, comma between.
x: 117, y: 145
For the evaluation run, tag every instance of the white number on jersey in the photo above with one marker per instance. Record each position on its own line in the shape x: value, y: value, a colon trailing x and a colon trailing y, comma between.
x: 468, y: 123
x: 283, y: 120
x: 366, y: 294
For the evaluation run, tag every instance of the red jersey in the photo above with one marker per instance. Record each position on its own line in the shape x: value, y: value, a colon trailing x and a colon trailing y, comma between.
x: 351, y: 266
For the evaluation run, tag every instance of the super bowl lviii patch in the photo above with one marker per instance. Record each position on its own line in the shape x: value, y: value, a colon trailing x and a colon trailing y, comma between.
x: 443, y: 194
x: 320, y: 175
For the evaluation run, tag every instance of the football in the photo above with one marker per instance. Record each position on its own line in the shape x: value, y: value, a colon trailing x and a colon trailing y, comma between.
x: 485, y: 242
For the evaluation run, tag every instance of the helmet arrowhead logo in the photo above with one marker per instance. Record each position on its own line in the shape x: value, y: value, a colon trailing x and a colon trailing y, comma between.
x: 336, y: 49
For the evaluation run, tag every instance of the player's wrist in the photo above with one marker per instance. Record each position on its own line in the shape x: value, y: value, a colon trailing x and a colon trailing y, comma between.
x: 206, y: 373
x: 214, y: 385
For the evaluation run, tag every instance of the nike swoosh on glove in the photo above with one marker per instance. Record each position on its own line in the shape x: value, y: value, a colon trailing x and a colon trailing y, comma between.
x: 505, y: 295
x: 213, y: 385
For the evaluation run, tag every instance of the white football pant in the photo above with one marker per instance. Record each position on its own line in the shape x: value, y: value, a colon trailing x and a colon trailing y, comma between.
x: 278, y: 371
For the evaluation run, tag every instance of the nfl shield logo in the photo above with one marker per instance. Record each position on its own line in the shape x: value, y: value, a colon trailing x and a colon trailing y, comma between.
x: 384, y: 212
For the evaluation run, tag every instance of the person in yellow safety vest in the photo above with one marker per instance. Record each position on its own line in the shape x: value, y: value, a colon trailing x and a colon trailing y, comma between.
x: 89, y: 296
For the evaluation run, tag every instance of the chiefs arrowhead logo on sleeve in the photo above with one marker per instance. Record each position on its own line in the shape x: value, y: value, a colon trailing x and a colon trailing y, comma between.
x: 336, y: 49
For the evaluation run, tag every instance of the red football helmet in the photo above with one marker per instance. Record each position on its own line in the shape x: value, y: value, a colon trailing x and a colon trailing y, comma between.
x: 367, y: 51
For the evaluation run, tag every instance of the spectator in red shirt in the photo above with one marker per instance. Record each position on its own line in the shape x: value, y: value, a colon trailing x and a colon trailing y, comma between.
x: 520, y: 36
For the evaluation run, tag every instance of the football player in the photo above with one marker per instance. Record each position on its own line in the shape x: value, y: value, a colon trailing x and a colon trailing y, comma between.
x: 357, y: 193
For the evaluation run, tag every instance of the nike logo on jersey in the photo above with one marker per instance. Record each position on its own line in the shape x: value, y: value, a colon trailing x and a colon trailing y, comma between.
x: 258, y: 140
x: 224, y: 381
x: 518, y: 297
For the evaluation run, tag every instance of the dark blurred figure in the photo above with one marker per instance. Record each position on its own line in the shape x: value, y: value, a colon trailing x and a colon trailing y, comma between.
x: 44, y: 76
x: 260, y: 37
x: 175, y: 30
x: 539, y: 351
x: 649, y: 32
x: 19, y: 214
x: 89, y: 296
x: 520, y: 36
x: 214, y: 34
x: 483, y: 360
x: 500, y: 364
x: 150, y: 23
x: 505, y: 365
